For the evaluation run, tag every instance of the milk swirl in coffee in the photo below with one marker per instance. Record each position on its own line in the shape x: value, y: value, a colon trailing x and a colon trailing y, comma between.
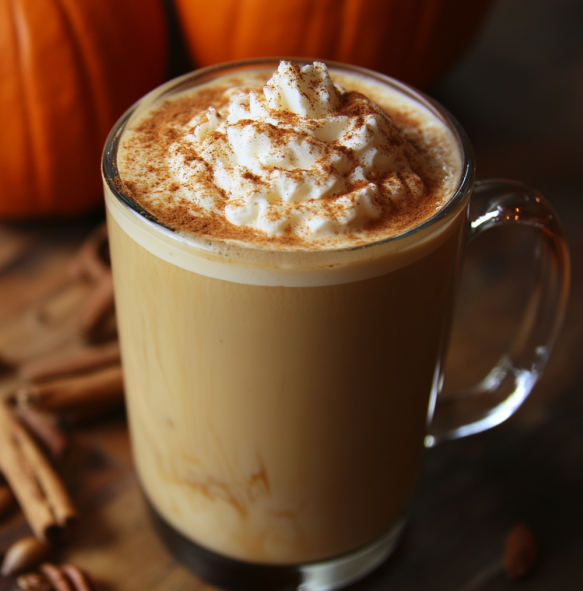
x: 300, y: 163
x: 278, y: 382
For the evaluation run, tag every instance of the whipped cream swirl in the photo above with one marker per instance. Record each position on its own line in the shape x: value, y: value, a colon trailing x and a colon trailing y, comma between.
x: 301, y: 156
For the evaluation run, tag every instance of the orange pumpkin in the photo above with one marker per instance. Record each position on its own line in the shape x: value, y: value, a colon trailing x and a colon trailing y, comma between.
x: 68, y: 70
x: 413, y: 40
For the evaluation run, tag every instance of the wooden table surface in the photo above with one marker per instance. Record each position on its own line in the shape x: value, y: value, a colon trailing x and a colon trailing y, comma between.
x: 519, y: 94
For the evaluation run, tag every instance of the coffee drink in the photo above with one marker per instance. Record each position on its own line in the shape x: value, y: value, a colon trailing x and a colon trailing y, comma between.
x: 284, y: 279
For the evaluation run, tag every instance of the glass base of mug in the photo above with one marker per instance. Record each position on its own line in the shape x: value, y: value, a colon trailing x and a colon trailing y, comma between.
x: 237, y: 575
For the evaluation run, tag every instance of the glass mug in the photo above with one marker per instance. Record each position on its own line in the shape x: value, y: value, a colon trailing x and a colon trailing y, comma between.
x: 279, y: 402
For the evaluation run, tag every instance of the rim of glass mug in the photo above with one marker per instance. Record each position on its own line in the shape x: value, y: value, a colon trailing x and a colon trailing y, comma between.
x: 259, y: 266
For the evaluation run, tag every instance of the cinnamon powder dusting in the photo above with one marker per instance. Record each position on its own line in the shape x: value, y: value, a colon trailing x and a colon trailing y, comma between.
x: 145, y: 150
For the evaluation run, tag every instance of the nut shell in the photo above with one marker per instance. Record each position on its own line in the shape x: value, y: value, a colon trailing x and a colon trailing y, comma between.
x: 521, y: 552
x: 33, y: 582
x: 25, y: 554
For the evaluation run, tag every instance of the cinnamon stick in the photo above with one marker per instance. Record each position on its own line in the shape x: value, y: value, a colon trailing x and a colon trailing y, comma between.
x: 99, y: 303
x: 44, y: 430
x: 80, y: 579
x: 81, y: 361
x: 102, y: 388
x: 89, y: 262
x: 56, y: 576
x: 37, y: 487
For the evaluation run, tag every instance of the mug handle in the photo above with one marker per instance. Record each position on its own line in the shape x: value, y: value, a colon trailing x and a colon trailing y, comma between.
x: 487, y: 404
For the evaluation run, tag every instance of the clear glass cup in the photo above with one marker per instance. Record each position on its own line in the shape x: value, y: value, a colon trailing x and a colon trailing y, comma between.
x: 279, y: 401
